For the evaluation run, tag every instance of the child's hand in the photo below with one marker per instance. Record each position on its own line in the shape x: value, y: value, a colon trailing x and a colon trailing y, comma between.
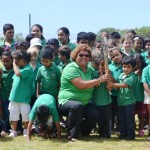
x: 109, y: 85
x: 28, y: 138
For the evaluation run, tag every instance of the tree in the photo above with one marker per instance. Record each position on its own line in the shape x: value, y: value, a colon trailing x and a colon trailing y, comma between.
x: 143, y: 31
x: 19, y: 37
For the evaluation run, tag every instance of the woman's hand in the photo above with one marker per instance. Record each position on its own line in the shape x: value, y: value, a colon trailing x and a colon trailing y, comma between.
x: 105, y: 78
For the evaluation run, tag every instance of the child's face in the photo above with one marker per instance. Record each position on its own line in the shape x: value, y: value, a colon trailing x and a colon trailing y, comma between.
x: 46, y: 62
x: 62, y: 37
x: 116, y: 56
x: 102, y: 66
x: 138, y: 44
x: 83, y: 41
x: 20, y: 63
x: 147, y: 46
x: 98, y: 45
x: 138, y: 65
x: 127, y: 69
x: 7, y: 62
x: 61, y: 57
x: 33, y: 59
x: 127, y: 44
x: 110, y: 46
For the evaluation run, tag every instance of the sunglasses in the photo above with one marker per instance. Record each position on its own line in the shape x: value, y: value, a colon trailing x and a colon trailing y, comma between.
x: 82, y: 55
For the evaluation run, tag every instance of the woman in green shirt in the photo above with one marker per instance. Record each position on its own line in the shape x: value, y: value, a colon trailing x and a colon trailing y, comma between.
x: 76, y: 91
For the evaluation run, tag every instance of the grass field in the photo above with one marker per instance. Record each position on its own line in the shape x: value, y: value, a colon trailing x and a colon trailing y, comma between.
x: 89, y: 143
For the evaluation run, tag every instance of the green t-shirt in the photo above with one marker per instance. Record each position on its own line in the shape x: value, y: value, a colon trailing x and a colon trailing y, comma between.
x: 12, y: 47
x: 101, y: 95
x: 50, y: 80
x: 6, y: 83
x: 139, y: 90
x: 126, y: 96
x: 115, y: 72
x: 50, y: 102
x: 62, y: 65
x: 146, y: 75
x: 43, y: 42
x: 57, y: 61
x: 132, y: 51
x: 22, y: 87
x: 71, y: 45
x: 35, y: 70
x: 68, y: 91
x: 146, y: 57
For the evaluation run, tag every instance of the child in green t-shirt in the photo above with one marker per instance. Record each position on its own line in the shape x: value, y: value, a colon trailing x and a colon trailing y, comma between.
x: 48, y: 75
x: 21, y: 92
x: 116, y: 69
x: 101, y: 97
x: 6, y: 85
x: 126, y: 98
x: 34, y: 53
x: 64, y: 55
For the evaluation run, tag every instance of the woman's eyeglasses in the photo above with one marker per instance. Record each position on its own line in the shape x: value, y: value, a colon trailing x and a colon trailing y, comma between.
x: 84, y: 55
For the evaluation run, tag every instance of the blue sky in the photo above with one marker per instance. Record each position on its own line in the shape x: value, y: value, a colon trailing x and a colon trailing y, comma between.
x: 76, y: 15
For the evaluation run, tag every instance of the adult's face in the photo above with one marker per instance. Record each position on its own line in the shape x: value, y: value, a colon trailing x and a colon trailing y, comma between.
x: 82, y: 58
x: 9, y: 34
x: 36, y: 31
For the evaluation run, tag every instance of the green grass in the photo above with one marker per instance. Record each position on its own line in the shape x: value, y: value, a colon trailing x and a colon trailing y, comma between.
x: 92, y: 142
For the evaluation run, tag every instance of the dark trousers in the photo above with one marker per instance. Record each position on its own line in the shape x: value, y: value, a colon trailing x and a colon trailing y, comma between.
x: 127, y: 126
x: 90, y: 118
x: 79, y: 117
x: 105, y: 120
x: 115, y: 116
x: 73, y: 110
x: 5, y: 104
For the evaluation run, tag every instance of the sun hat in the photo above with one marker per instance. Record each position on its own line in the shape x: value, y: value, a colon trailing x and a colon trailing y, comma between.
x: 35, y: 42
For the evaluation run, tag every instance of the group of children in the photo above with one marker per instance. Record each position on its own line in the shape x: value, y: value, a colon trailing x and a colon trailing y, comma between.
x: 33, y: 68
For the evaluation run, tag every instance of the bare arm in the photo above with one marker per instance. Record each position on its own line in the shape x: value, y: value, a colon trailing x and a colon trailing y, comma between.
x: 58, y: 129
x: 29, y: 131
x: 146, y: 87
x: 16, y: 69
x: 81, y: 84
x: 38, y: 89
x: 116, y: 85
x: 120, y: 85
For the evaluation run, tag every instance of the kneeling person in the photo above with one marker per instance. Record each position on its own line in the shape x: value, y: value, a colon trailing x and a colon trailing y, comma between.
x: 43, y: 108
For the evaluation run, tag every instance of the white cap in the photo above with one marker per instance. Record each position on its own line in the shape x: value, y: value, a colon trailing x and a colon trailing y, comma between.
x: 35, y: 41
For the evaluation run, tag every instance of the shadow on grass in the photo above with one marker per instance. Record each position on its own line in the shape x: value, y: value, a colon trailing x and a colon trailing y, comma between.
x: 97, y: 139
x: 6, y: 139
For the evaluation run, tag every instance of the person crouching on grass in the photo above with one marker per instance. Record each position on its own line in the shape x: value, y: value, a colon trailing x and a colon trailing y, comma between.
x: 42, y: 110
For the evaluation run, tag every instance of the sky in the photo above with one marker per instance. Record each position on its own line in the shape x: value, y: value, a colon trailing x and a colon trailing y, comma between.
x: 76, y: 15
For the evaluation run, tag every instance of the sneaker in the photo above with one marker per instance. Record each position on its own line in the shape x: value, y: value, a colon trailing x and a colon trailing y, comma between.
x: 141, y: 133
x: 146, y: 127
x: 25, y: 132
x: 12, y: 133
x: 148, y: 139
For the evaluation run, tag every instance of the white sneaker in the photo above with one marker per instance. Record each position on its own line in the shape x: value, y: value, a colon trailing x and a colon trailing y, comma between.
x: 25, y: 132
x: 148, y: 139
x: 12, y: 133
